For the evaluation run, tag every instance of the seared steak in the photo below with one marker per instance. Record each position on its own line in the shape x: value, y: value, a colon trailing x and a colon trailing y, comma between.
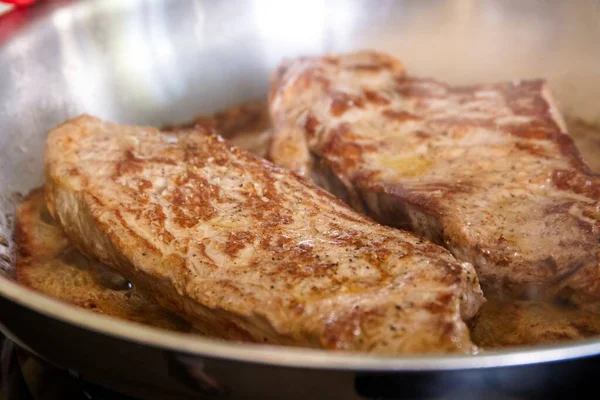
x: 488, y: 171
x: 47, y: 263
x: 248, y: 251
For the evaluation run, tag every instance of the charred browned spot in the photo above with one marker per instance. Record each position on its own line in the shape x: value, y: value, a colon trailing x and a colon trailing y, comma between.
x: 156, y: 218
x: 453, y: 274
x: 236, y: 241
x: 22, y: 239
x: 283, y: 241
x: 144, y: 184
x: 502, y: 240
x: 441, y: 304
x: 382, y: 254
x: 400, y: 116
x: 73, y: 171
x: 422, y: 135
x: 145, y: 243
x: 342, y: 331
x: 578, y: 182
x: 342, y: 129
x: 311, y: 124
x: 129, y: 156
x: 305, y: 79
x: 366, y: 67
x: 132, y: 165
x: 448, y: 328
x: 285, y: 219
x: 592, y: 214
x: 191, y: 205
x: 128, y: 166
x: 569, y: 149
x: 345, y: 236
x: 525, y: 99
x: 373, y: 97
x: 531, y: 149
x: 349, y: 151
x: 332, y: 60
x: 376, y: 257
x: 194, y: 156
x: 459, y: 131
x: 218, y: 154
x: 326, y: 83
x: 533, y: 131
x: 198, y: 185
x: 296, y: 307
x: 306, y: 263
x: 318, y: 269
x: 342, y: 102
x: 272, y: 221
x: 265, y: 205
x: 291, y: 269
x: 563, y: 179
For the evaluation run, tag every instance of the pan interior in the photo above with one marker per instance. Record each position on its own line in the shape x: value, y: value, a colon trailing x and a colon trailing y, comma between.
x: 161, y: 62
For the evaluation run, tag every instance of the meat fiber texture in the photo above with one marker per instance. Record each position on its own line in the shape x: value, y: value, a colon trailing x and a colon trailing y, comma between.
x: 245, y: 250
x: 488, y: 171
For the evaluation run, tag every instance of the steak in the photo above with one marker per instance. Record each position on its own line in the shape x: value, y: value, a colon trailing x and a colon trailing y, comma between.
x: 488, y: 171
x: 47, y: 263
x: 248, y: 251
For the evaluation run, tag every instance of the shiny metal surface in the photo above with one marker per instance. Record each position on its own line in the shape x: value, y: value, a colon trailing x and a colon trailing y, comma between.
x: 164, y: 61
x: 153, y: 62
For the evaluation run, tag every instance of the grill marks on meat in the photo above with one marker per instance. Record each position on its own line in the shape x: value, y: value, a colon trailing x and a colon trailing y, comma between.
x: 487, y: 170
x: 250, y: 251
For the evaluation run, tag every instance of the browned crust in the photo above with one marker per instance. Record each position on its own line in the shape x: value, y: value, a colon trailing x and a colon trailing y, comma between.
x: 38, y: 270
x: 295, y: 277
x: 355, y: 135
x: 48, y: 264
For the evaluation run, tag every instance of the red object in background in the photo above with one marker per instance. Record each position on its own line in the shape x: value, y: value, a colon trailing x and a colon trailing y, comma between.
x: 19, y: 3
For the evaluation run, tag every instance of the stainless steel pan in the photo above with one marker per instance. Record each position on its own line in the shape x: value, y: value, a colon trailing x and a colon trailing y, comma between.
x: 156, y: 62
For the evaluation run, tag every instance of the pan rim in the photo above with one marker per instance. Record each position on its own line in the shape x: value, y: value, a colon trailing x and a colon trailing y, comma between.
x: 284, y: 356
x: 278, y: 355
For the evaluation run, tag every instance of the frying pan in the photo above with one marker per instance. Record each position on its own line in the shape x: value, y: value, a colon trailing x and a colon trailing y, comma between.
x: 156, y: 62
